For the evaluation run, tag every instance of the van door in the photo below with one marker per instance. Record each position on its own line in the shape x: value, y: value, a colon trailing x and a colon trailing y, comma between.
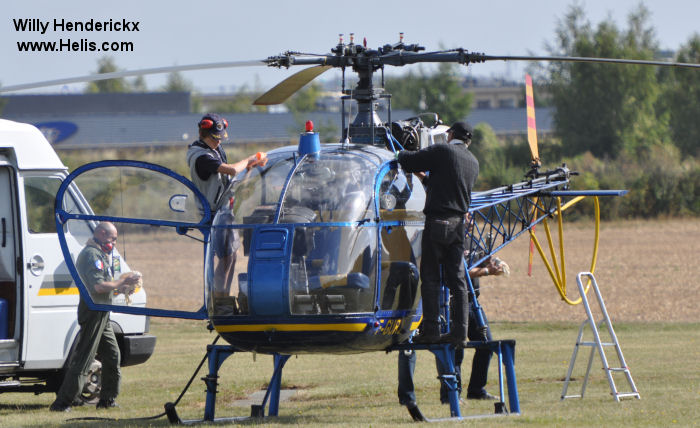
x: 9, y: 277
x: 51, y: 300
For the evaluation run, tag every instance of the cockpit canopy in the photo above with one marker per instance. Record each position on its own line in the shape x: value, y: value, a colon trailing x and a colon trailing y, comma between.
x: 342, y: 211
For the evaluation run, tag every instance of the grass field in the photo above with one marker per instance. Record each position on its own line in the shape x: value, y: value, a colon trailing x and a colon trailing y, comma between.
x: 647, y: 272
x: 360, y: 390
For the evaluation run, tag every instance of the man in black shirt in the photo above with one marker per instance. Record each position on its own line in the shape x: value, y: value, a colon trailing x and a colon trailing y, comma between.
x: 452, y: 171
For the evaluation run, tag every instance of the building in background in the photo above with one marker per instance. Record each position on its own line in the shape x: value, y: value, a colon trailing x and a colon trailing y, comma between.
x: 160, y: 118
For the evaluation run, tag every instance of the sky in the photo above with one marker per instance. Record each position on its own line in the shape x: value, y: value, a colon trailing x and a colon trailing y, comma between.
x: 188, y: 32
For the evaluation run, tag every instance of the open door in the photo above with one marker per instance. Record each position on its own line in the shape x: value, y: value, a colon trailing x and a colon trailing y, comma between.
x: 9, y: 280
x: 161, y: 235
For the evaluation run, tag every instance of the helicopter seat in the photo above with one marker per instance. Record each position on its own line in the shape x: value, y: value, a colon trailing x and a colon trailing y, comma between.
x: 352, y: 207
x: 304, y: 304
x: 340, y: 293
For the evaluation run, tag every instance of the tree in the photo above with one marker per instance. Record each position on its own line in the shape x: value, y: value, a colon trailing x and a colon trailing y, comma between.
x: 304, y: 100
x: 139, y: 84
x: 439, y: 92
x: 106, y: 65
x: 605, y: 108
x: 682, y: 100
x: 240, y: 102
x: 177, y: 83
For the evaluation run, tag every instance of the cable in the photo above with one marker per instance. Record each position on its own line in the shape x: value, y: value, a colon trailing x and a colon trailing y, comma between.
x: 167, y: 405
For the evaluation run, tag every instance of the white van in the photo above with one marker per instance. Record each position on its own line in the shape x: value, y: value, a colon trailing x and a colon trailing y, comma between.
x: 38, y: 298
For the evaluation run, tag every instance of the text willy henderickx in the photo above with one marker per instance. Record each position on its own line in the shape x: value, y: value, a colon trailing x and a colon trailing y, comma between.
x: 56, y: 25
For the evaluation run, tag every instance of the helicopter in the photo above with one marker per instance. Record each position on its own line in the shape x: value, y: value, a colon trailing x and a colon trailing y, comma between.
x: 329, y: 233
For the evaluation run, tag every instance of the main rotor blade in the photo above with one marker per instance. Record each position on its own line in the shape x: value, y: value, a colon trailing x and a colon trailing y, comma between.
x: 290, y: 85
x: 589, y: 59
x: 128, y: 73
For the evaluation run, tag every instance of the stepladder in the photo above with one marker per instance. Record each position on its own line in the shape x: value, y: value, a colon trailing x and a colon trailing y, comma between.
x: 597, y: 344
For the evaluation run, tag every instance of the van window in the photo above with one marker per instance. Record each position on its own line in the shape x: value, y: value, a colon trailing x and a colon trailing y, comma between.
x: 40, y: 196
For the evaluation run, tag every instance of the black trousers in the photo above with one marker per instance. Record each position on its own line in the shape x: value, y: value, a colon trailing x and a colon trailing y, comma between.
x: 480, y: 362
x: 443, y: 244
x: 479, y: 372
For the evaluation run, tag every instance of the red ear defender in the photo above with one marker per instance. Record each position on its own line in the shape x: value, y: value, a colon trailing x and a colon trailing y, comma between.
x: 225, y: 123
x: 206, y: 123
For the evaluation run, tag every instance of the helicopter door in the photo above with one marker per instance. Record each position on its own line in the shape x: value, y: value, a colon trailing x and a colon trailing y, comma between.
x: 401, y: 201
x: 268, y: 260
x: 162, y: 221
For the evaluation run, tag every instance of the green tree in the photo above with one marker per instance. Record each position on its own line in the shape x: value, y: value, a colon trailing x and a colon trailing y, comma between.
x: 682, y: 100
x: 139, y: 84
x: 107, y: 65
x: 439, y: 92
x: 177, y: 83
x: 605, y: 108
x: 304, y: 100
x: 240, y: 102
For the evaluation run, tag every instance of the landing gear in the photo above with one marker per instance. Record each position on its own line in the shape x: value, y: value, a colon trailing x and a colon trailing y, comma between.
x: 216, y: 355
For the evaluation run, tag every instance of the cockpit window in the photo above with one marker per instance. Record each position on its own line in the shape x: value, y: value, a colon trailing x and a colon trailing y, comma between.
x: 257, y: 192
x: 335, y: 187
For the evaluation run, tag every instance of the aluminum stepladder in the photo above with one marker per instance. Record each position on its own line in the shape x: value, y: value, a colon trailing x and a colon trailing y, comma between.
x: 598, y: 344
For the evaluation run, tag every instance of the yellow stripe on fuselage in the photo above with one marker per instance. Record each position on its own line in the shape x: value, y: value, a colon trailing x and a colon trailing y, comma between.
x: 356, y: 327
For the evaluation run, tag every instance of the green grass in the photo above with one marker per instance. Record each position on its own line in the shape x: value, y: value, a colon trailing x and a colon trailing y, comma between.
x: 360, y: 390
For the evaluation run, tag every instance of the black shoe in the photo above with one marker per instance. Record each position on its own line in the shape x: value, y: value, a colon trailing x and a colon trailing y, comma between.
x: 106, y: 404
x: 484, y: 396
x: 57, y: 406
x: 427, y: 339
x: 77, y: 403
x: 415, y: 412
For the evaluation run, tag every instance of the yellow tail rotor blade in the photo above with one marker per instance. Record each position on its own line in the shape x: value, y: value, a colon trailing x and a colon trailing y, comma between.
x: 290, y: 85
x: 534, y: 152
x: 531, y: 124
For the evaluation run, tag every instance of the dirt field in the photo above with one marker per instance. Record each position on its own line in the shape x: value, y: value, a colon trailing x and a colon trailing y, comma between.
x: 647, y: 271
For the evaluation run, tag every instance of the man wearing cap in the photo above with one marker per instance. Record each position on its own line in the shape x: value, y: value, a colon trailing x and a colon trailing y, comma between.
x: 211, y: 173
x: 452, y: 171
x: 209, y: 167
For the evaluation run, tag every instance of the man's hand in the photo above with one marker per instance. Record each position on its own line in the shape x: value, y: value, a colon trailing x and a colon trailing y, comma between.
x: 497, y: 266
x: 130, y: 280
x: 258, y: 159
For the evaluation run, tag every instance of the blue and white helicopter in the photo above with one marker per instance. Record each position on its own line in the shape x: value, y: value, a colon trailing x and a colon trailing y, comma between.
x: 327, y: 236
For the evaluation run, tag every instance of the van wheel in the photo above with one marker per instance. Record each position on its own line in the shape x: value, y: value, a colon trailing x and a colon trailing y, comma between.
x: 93, y: 385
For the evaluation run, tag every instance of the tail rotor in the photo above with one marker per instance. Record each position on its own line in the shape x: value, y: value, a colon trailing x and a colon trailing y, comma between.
x: 534, y: 151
